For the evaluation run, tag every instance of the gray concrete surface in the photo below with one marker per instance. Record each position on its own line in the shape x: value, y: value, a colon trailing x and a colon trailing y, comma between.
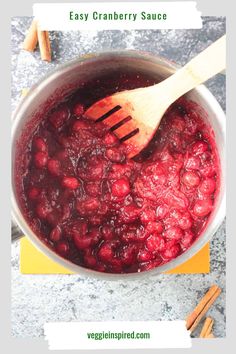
x: 37, y: 299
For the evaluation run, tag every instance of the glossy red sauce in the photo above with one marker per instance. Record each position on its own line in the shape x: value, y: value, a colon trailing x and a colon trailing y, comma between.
x: 96, y: 208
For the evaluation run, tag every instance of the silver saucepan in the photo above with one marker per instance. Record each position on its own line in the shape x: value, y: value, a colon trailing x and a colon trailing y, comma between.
x: 65, y: 80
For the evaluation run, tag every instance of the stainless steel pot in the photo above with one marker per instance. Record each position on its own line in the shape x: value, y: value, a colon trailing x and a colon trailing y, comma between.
x: 69, y: 76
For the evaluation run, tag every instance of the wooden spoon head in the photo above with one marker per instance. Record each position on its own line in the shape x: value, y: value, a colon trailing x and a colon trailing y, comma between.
x: 125, y: 114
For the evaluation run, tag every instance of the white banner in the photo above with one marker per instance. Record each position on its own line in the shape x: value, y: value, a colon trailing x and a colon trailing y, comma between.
x: 118, y: 15
x: 117, y: 335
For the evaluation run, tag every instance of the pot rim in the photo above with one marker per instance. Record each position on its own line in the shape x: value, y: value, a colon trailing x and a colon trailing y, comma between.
x: 82, y: 271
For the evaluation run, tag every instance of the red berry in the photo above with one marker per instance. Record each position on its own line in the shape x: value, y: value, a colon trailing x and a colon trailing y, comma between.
x: 120, y: 188
x: 192, y: 163
x: 162, y: 211
x: 88, y: 206
x: 185, y: 222
x: 147, y: 215
x: 207, y: 186
x: 115, y: 155
x: 144, y: 256
x: 110, y: 139
x: 59, y: 117
x: 106, y: 253
x: 202, y: 207
x: 63, y: 248
x: 39, y: 144
x: 107, y: 232
x: 155, y: 243
x: 199, y: 147
x: 70, y: 182
x: 54, y: 167
x: 55, y: 234
x: 173, y: 233
x: 82, y: 242
x: 154, y: 227
x: 42, y: 210
x: 93, y: 188
x: 187, y: 239
x: 191, y: 179
x: 129, y: 214
x: 79, y: 125
x: 40, y: 159
x: 208, y: 169
x: 33, y: 193
x: 171, y: 252
x: 78, y: 109
x: 90, y: 261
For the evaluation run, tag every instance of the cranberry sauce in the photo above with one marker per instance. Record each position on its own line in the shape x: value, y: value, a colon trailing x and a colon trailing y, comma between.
x: 101, y: 210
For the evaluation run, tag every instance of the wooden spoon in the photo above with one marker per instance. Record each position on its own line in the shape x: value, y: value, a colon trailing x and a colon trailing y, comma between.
x: 134, y: 115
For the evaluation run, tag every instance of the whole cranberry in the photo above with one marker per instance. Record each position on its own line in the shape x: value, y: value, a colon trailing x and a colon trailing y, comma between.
x: 90, y: 261
x: 93, y: 188
x: 39, y: 144
x: 53, y: 217
x: 154, y: 227
x: 147, y: 215
x: 114, y: 155
x: 208, y: 169
x: 59, y: 117
x: 42, y: 210
x: 173, y: 233
x: 129, y: 213
x: 191, y: 179
x: 87, y: 206
x: 107, y: 232
x: 70, y: 182
x: 78, y: 109
x: 110, y: 139
x: 192, y: 163
x: 155, y: 243
x: 208, y: 186
x: 162, y: 211
x: 55, y: 234
x: 82, y: 242
x: 79, y: 125
x: 170, y: 252
x: 40, y: 159
x: 106, y: 252
x: 185, y: 221
x: 202, y: 207
x: 120, y: 188
x: 63, y: 248
x: 54, y: 167
x: 199, y: 147
x: 33, y: 193
x: 187, y: 239
x: 144, y: 256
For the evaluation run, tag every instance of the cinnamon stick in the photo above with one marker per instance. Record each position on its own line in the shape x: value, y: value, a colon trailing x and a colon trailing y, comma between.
x: 31, y: 38
x: 44, y: 45
x: 211, y: 335
x: 207, y: 328
x: 201, y: 309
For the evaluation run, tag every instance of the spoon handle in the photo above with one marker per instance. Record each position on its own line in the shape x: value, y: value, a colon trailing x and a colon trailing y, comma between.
x: 205, y: 65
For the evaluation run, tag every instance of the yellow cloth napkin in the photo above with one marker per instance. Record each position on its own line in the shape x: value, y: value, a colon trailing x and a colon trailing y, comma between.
x: 33, y: 261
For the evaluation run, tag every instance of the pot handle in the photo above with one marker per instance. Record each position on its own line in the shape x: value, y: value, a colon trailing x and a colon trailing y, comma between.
x: 16, y: 232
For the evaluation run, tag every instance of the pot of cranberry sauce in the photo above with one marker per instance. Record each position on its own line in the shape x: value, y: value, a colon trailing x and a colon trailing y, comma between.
x: 84, y: 204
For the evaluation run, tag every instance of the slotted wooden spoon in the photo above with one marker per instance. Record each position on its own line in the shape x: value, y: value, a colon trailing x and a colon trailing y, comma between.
x: 135, y: 115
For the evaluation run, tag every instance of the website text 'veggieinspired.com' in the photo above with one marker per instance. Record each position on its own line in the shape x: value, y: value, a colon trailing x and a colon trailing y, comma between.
x: 118, y: 335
